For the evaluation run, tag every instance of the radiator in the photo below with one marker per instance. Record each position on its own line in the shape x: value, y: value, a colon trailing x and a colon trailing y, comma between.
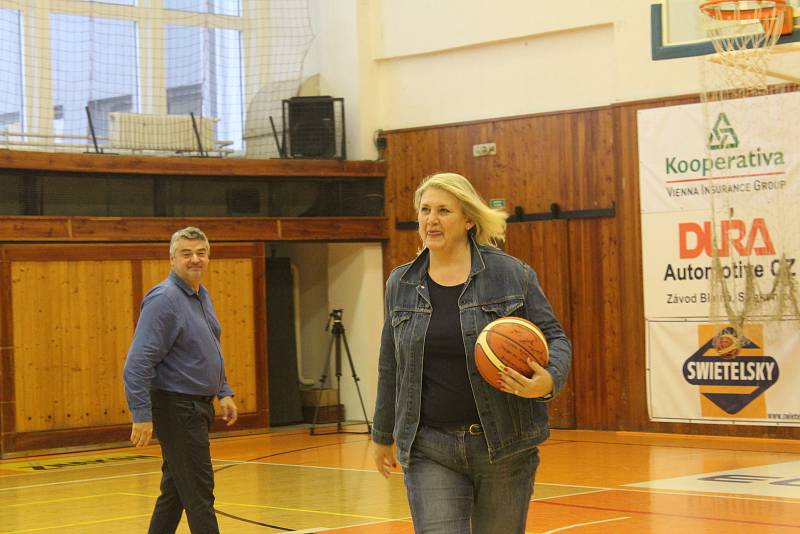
x: 159, y: 132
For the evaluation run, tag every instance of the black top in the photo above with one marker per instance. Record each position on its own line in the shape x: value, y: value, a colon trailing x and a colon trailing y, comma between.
x: 446, y: 394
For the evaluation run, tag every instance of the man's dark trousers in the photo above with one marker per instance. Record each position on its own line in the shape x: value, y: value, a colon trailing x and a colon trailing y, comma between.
x: 181, y: 423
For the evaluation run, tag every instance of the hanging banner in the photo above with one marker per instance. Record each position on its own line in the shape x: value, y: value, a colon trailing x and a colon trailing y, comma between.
x: 722, y: 178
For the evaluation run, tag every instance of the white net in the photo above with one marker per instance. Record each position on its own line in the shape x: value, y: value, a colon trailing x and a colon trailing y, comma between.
x: 152, y: 76
x: 751, y: 174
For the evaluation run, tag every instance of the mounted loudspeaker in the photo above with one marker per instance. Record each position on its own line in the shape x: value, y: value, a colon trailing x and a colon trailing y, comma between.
x: 315, y: 127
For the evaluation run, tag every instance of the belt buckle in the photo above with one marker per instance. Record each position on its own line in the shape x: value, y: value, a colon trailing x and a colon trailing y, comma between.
x: 475, y: 430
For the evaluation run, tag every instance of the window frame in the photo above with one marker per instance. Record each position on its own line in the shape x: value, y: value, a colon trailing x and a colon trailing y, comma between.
x: 37, y: 109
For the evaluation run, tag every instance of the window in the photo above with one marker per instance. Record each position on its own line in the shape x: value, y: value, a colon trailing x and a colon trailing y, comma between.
x: 120, y: 2
x: 66, y: 64
x: 218, y: 7
x: 204, y: 76
x: 11, y: 96
x: 93, y: 65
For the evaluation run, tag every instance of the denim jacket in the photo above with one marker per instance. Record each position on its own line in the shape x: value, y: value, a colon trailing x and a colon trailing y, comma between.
x: 498, y: 285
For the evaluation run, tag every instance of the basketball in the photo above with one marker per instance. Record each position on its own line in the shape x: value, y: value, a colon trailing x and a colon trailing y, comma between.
x: 508, y: 342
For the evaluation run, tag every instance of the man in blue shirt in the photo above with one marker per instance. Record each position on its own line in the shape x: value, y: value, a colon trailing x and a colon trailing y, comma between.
x: 173, y: 372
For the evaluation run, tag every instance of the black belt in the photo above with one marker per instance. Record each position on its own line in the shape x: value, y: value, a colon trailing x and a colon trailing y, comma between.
x: 177, y: 395
x: 475, y: 429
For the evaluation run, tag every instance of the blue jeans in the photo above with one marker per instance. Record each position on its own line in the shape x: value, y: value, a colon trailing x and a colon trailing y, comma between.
x: 453, y: 489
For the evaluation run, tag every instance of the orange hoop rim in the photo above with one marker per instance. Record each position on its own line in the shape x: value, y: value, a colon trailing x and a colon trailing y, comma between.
x: 761, y: 9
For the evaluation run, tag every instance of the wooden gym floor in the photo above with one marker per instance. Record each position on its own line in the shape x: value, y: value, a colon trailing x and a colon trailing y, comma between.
x: 287, y: 481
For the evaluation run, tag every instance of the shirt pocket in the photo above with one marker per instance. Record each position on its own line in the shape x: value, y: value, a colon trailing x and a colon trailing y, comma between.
x: 401, y: 328
x: 504, y: 308
x: 399, y: 317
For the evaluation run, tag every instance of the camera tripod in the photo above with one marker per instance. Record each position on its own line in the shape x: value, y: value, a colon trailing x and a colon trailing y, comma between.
x: 337, y: 338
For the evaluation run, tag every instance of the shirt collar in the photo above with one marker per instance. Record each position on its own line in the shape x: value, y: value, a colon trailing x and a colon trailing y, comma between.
x: 419, y: 267
x: 178, y: 281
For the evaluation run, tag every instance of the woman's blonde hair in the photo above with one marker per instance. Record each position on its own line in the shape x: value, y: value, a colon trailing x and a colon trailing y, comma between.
x: 490, y: 224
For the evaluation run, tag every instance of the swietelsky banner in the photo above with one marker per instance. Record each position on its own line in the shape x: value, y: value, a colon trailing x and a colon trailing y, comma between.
x: 739, y: 158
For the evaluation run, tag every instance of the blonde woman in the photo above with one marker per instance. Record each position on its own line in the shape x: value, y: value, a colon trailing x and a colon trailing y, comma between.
x: 468, y: 450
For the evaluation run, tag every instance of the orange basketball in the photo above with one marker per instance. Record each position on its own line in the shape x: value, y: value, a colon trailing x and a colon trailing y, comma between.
x: 508, y: 342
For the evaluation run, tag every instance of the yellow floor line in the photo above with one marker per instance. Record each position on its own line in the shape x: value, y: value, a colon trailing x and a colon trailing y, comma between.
x: 65, y: 499
x: 79, y: 524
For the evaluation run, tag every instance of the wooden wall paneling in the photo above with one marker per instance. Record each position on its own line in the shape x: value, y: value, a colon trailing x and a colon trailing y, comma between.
x: 416, y: 156
x: 596, y: 319
x: 544, y: 246
x: 533, y: 181
x: 332, y: 228
x: 278, y: 168
x: 143, y: 229
x: 66, y: 328
x: 35, y: 228
x: 633, y: 372
x: 155, y: 271
x: 260, y: 311
x: 137, y: 291
x: 404, y: 249
x: 162, y: 228
x: 230, y: 283
x: 513, y: 166
x: 118, y: 251
x: 485, y: 168
x: 593, y: 184
x: 7, y: 385
x: 71, y: 329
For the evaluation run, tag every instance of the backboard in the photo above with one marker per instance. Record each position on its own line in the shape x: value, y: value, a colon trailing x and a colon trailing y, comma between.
x: 677, y: 29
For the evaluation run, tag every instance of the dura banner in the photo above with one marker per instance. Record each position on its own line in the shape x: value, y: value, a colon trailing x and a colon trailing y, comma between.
x: 720, y: 178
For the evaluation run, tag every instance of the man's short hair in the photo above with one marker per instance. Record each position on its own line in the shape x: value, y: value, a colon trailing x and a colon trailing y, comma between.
x: 192, y: 234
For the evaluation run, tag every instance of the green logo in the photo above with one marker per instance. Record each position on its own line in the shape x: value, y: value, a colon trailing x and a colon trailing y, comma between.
x: 723, y: 135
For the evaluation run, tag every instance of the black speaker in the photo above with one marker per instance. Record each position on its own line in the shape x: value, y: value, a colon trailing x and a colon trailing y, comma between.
x: 315, y: 126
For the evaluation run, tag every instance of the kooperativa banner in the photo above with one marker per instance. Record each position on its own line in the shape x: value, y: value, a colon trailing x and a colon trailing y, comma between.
x: 720, y: 179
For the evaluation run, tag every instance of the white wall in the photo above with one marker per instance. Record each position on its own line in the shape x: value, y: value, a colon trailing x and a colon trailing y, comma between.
x: 347, y: 276
x: 343, y: 51
x: 355, y: 284
x: 424, y: 62
x: 311, y: 259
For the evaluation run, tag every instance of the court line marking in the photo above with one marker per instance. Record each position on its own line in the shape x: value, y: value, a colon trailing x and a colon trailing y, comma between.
x: 670, y: 445
x: 78, y: 524
x: 587, y: 492
x: 65, y: 499
x: 666, y: 514
x: 376, y: 519
x: 371, y: 523
x: 576, y: 525
x: 594, y: 488
x: 41, y: 472
x: 146, y: 473
x: 687, y: 493
x: 782, y: 500
x: 358, y: 470
x: 268, y: 507
x: 78, y: 481
x: 81, y: 480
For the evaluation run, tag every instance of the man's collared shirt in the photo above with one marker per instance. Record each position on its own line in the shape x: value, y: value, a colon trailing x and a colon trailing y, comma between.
x: 176, y: 347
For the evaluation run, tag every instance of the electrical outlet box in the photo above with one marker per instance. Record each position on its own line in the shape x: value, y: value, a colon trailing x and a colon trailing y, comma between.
x: 484, y: 149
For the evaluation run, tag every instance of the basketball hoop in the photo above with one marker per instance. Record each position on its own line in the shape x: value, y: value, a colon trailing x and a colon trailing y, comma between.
x: 738, y: 25
x: 740, y: 9
x: 744, y: 34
